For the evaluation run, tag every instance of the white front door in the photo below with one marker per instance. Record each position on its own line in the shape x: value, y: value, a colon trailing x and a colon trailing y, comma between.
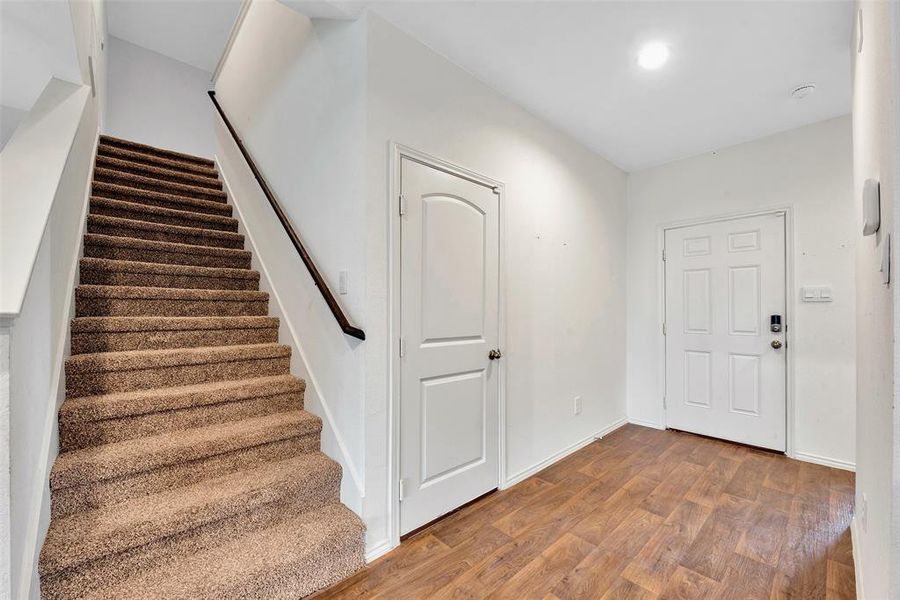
x: 449, y: 413
x: 725, y: 367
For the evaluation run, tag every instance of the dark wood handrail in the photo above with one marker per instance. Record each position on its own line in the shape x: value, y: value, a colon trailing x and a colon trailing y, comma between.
x: 330, y: 300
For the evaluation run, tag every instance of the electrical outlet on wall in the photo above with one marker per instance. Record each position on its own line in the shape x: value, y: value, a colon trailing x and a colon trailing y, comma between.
x: 577, y: 405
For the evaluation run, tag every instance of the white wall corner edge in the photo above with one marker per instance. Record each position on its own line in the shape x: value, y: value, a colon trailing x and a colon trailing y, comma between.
x: 378, y: 550
x: 58, y: 392
x: 857, y: 559
x: 358, y: 489
x: 543, y: 464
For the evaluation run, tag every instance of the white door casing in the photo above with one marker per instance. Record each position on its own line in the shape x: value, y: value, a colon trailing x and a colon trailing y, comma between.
x: 724, y: 378
x: 449, y: 389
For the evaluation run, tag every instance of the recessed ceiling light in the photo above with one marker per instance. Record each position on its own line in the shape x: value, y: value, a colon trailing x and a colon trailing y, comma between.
x: 799, y: 93
x: 653, y: 55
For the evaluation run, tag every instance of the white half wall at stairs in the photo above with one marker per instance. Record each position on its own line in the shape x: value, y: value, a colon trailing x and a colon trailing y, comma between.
x: 54, y: 150
x: 293, y: 296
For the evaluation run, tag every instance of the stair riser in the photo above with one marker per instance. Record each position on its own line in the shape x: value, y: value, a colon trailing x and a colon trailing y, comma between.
x: 116, y: 142
x: 158, y: 185
x: 97, y: 494
x: 159, y: 340
x: 167, y: 258
x: 197, y: 237
x: 94, y: 433
x: 101, y: 277
x: 101, y: 574
x: 155, y: 161
x: 87, y: 383
x: 172, y: 202
x: 181, y: 220
x: 309, y: 492
x: 137, y: 307
x: 159, y: 172
x: 344, y: 557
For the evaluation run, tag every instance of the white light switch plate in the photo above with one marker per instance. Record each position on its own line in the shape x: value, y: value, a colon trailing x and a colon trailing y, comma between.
x: 816, y: 293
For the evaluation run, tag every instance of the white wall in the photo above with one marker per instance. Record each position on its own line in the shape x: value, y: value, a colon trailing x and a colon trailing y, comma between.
x: 9, y: 120
x: 876, y: 155
x: 156, y: 100
x: 565, y: 259
x: 56, y: 141
x: 808, y: 169
x: 302, y: 118
x: 319, y: 120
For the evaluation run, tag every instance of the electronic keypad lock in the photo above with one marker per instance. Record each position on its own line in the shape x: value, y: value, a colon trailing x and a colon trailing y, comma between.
x: 775, y: 323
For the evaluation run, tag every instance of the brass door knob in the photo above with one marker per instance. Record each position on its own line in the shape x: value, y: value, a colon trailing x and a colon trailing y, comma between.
x: 776, y: 344
x: 494, y: 354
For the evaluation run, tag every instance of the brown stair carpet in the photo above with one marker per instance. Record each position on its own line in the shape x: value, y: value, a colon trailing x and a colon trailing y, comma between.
x: 188, y: 467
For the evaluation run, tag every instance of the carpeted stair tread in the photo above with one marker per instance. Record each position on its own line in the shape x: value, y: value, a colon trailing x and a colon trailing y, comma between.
x: 292, y: 556
x: 118, y: 334
x: 108, y: 372
x: 157, y: 161
x: 123, y: 248
x: 80, y: 467
x: 158, y: 214
x: 103, y: 271
x: 131, y: 301
x: 158, y: 172
x: 84, y: 537
x: 145, y: 230
x: 88, y: 409
x: 110, y: 141
x: 150, y: 183
x: 115, y: 191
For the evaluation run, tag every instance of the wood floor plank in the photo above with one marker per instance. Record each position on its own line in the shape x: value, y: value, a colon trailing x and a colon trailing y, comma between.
x: 642, y: 513
x: 658, y: 560
x: 540, y: 575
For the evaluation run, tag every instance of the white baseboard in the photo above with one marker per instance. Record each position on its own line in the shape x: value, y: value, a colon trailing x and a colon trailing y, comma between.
x: 857, y: 559
x: 378, y: 550
x: 825, y: 461
x: 646, y: 424
x: 529, y: 471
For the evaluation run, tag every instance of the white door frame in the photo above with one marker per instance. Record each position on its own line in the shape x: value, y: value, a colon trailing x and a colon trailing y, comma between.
x: 397, y: 153
x: 789, y: 307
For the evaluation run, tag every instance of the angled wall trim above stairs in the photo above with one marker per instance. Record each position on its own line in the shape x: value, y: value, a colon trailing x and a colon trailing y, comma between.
x: 188, y: 467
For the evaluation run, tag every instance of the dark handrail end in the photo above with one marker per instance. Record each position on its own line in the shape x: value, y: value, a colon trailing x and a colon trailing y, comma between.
x: 354, y: 332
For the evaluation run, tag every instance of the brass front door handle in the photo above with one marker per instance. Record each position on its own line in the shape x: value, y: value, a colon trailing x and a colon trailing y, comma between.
x: 494, y: 354
x: 777, y: 344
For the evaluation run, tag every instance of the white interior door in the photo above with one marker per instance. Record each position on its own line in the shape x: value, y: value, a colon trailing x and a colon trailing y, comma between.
x: 725, y: 368
x: 449, y: 413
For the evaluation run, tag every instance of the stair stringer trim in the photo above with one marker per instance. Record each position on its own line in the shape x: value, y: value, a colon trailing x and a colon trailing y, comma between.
x: 352, y: 497
x: 39, y: 513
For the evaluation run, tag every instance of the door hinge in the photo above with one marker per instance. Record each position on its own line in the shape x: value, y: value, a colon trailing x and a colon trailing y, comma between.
x: 664, y: 403
x: 402, y: 347
x: 664, y: 255
x: 664, y: 328
x: 401, y: 491
x: 402, y: 205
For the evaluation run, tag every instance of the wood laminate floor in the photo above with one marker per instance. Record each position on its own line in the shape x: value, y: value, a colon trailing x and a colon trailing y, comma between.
x: 641, y: 513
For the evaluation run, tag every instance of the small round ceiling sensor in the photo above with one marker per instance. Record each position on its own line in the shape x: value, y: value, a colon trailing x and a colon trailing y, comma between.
x: 799, y: 93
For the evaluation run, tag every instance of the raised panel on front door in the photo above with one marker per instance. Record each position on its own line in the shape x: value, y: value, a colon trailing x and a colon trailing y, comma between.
x: 743, y: 383
x: 453, y: 414
x: 744, y: 300
x: 697, y: 301
x: 452, y: 282
x: 697, y: 378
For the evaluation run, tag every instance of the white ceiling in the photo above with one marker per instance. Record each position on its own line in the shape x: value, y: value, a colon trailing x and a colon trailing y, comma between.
x: 729, y: 78
x: 192, y: 31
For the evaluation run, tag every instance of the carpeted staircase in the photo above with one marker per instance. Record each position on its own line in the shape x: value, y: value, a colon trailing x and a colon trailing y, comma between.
x: 187, y: 467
